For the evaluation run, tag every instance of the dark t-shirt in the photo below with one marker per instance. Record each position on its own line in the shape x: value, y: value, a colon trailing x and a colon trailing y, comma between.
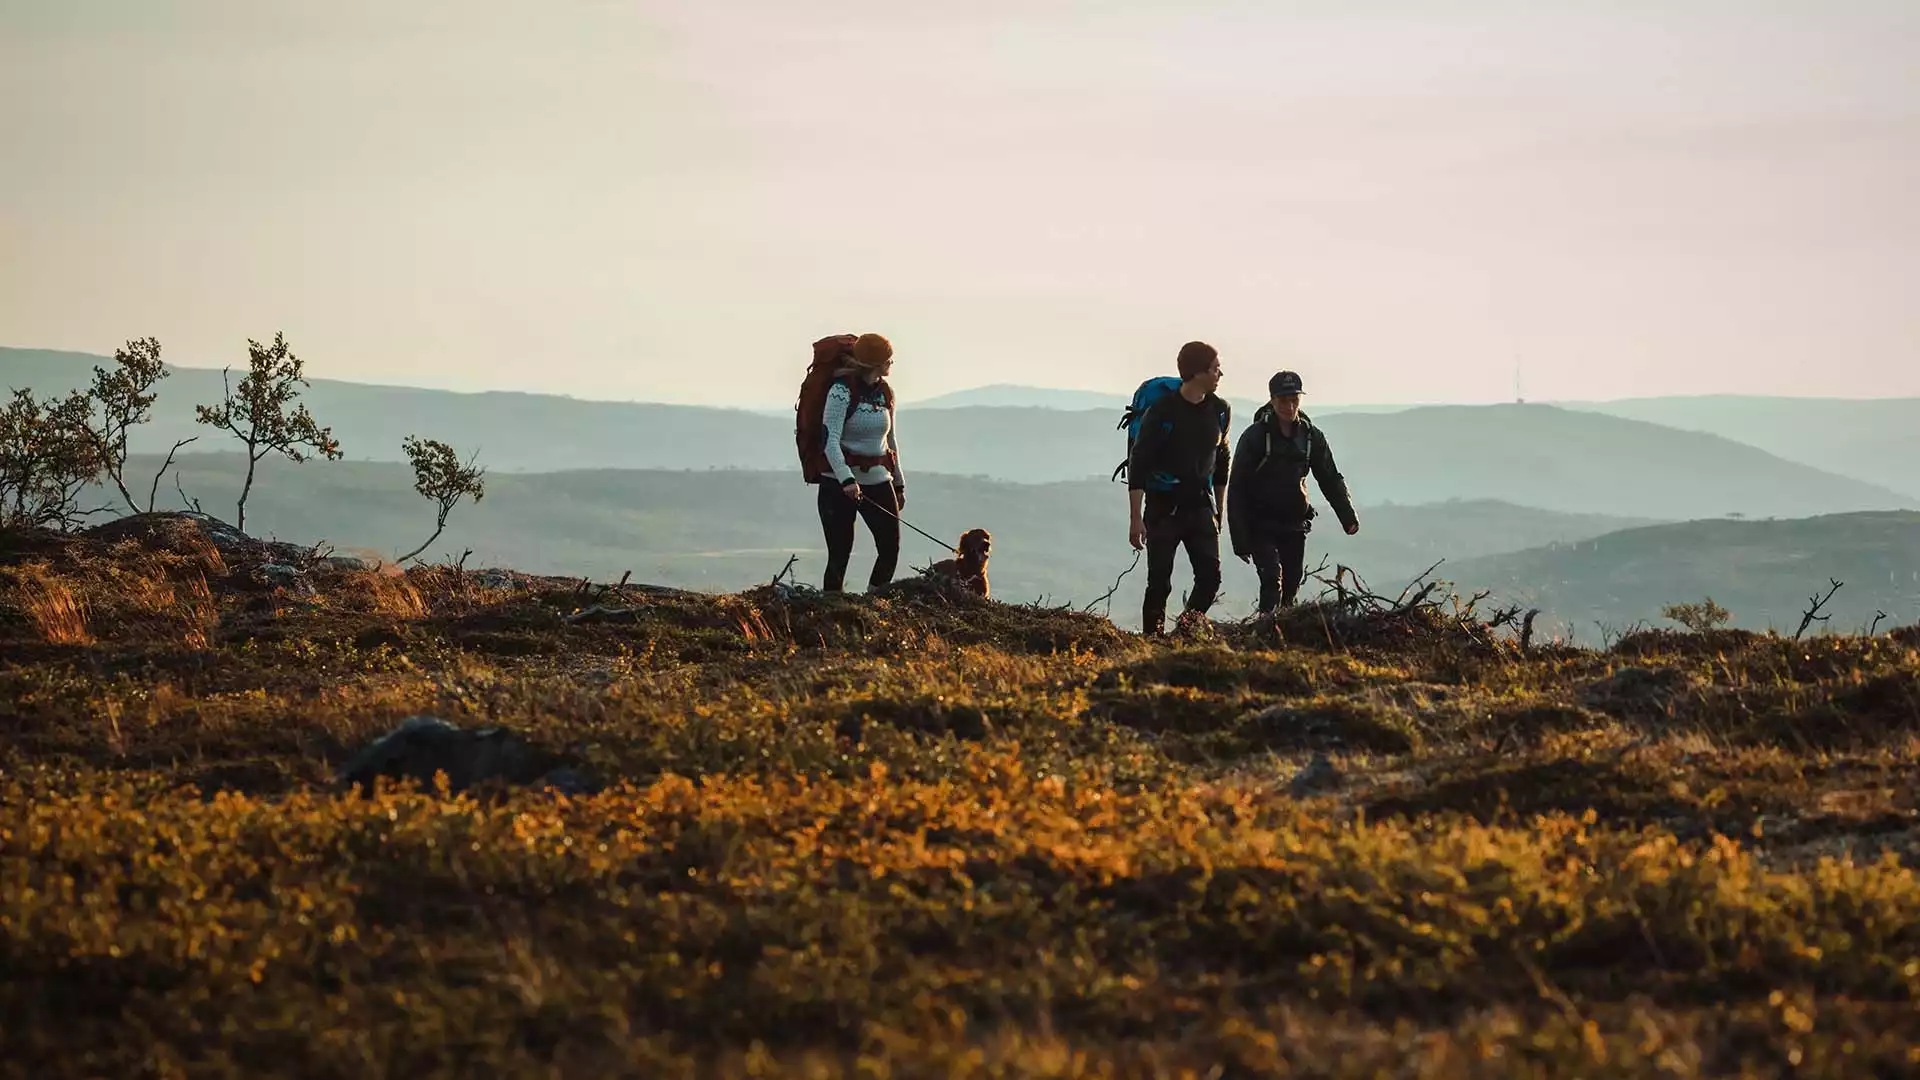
x: 1181, y: 456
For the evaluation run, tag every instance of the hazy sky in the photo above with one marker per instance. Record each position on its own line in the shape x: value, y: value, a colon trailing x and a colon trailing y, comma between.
x: 670, y: 201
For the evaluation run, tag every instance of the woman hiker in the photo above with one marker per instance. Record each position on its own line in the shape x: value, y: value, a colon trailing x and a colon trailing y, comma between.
x: 863, y: 461
x: 1268, y: 514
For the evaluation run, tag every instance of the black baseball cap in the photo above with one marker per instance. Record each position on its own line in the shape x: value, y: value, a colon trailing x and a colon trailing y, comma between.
x: 1283, y: 384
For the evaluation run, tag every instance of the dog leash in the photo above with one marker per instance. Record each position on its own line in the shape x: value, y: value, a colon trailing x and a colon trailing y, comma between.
x: 943, y: 544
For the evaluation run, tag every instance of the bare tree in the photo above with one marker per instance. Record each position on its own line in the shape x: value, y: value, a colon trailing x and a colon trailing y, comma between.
x: 439, y: 475
x: 256, y: 412
x: 124, y: 396
x: 47, y: 459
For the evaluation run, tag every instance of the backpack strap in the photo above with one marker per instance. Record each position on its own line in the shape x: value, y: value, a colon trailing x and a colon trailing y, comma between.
x: 1306, y: 427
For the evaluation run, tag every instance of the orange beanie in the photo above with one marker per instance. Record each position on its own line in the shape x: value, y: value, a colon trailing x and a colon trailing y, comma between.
x: 872, y: 350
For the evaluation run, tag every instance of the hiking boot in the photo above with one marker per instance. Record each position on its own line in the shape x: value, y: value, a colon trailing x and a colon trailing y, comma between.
x: 1192, y: 624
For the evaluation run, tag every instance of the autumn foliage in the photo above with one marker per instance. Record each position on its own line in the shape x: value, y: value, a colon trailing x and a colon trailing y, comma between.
x: 922, y: 835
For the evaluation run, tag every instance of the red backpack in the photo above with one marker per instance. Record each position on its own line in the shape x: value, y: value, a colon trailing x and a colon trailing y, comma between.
x: 830, y: 355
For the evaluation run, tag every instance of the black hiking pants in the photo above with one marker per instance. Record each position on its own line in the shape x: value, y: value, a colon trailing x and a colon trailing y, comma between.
x: 837, y: 512
x: 1170, y: 527
x: 1280, y: 558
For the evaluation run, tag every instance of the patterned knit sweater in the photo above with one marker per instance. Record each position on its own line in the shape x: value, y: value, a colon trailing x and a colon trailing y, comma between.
x: 863, y: 427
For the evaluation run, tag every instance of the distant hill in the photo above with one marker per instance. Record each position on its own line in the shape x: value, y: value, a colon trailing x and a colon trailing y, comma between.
x: 1875, y: 440
x: 724, y: 530
x: 1009, y: 396
x: 1761, y: 571
x: 1003, y: 395
x: 1534, y: 455
x: 1561, y: 459
x: 515, y: 431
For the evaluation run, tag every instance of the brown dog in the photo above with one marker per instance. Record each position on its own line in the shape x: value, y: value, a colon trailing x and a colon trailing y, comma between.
x: 969, y: 570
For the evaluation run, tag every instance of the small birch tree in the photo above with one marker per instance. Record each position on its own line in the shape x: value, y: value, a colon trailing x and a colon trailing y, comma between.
x: 47, y: 459
x: 439, y: 476
x: 257, y: 413
x: 124, y: 396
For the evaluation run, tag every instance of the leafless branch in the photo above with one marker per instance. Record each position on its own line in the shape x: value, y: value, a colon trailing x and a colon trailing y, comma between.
x: 1106, y: 598
x: 154, y: 491
x: 1813, y: 613
x: 785, y: 571
x: 190, y: 503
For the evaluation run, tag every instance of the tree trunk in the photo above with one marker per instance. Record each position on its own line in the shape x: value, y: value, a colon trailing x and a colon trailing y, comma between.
x: 124, y: 493
x: 424, y: 545
x: 241, y: 510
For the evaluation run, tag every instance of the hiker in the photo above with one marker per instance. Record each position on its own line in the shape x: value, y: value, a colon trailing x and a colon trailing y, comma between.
x: 1268, y: 512
x: 1176, y: 475
x: 858, y: 468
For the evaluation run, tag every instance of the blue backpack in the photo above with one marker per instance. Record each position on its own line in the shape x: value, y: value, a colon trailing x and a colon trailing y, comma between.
x: 1144, y: 398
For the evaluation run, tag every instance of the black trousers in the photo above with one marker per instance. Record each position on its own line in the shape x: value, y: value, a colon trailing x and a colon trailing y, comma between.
x: 1168, y: 529
x: 837, y: 512
x: 1280, y: 558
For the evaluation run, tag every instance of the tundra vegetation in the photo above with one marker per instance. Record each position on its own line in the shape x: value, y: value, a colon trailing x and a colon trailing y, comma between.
x: 926, y: 834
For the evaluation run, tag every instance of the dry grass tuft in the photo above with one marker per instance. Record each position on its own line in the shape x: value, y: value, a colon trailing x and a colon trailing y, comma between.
x: 52, y: 607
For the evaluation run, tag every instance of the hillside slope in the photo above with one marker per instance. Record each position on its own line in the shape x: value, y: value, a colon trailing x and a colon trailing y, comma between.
x: 1556, y: 459
x: 647, y: 833
x: 1761, y: 571
x: 1875, y: 440
x: 725, y: 530
x: 1561, y: 459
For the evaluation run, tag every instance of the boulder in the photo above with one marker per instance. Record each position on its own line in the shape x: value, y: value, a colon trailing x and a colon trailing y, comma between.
x: 348, y: 563
x: 422, y: 746
x: 1318, y: 777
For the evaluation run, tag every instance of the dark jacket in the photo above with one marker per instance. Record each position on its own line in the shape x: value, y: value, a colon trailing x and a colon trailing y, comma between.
x: 1180, y: 457
x: 1269, y: 489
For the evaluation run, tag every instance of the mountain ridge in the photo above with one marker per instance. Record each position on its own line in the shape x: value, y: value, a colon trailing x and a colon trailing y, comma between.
x: 1556, y: 459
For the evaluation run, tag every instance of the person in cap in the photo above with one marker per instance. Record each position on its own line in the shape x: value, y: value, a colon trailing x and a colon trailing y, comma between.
x: 1176, y: 475
x: 1268, y: 512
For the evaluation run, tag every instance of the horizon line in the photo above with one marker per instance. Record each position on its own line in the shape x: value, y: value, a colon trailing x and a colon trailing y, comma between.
x: 1120, y: 395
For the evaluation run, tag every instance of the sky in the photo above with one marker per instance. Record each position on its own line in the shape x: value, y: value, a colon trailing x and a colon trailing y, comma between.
x: 1406, y: 202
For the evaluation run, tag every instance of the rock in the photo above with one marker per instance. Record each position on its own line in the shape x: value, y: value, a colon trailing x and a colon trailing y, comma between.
x: 567, y: 780
x: 348, y: 562
x: 494, y: 579
x: 1317, y: 777
x: 424, y: 745
x: 605, y: 613
x: 282, y: 576
x: 181, y: 532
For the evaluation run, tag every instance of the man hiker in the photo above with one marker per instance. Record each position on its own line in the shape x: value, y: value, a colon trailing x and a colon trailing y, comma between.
x: 1176, y: 479
x: 1268, y: 514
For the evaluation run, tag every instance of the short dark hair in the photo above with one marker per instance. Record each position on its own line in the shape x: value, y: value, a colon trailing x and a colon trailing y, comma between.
x: 1195, y: 358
